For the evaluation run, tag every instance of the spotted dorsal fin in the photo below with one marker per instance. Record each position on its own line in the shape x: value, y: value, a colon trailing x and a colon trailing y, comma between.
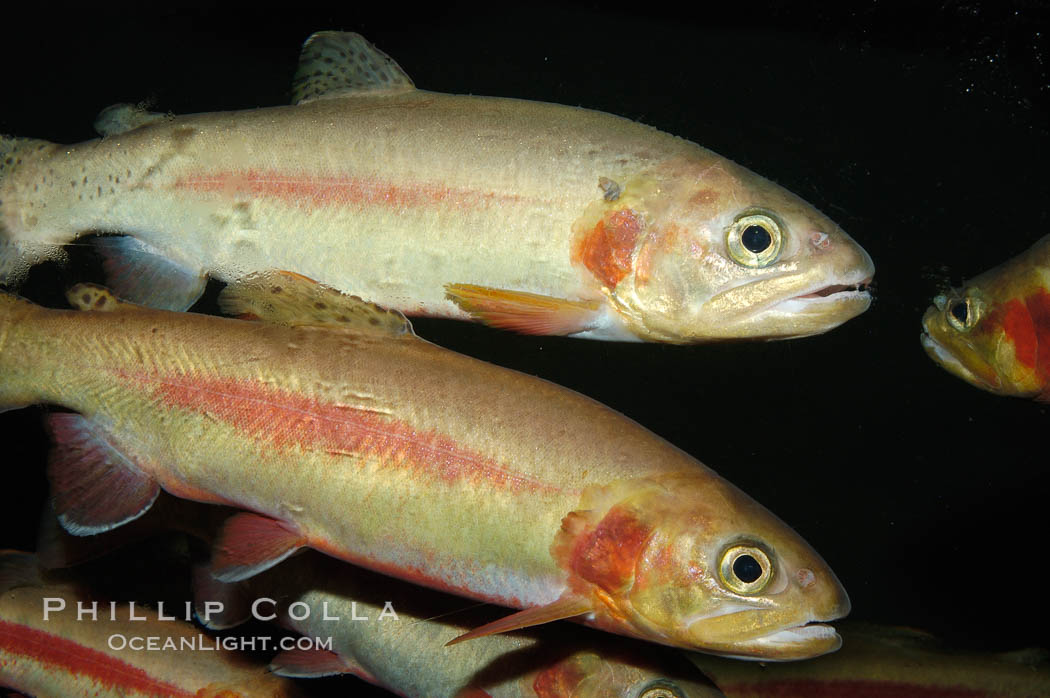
x: 286, y: 298
x: 340, y: 64
x: 121, y: 118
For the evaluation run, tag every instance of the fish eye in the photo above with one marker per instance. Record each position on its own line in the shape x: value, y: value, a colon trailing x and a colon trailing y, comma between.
x: 962, y: 315
x: 660, y: 689
x: 754, y: 240
x: 746, y: 569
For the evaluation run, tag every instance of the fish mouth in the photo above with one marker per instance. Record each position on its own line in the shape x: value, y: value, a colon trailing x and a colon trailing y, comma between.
x: 803, y: 641
x: 847, y: 291
x: 944, y: 357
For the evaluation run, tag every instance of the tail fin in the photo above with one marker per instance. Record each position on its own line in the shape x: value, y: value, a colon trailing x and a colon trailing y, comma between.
x: 17, y: 256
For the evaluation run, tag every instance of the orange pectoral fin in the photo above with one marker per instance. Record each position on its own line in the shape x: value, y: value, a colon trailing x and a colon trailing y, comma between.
x: 528, y: 313
x: 565, y: 607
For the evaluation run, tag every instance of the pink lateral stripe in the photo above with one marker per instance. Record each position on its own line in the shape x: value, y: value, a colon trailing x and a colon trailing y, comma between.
x: 287, y: 419
x: 855, y: 688
x: 55, y: 651
x: 316, y: 191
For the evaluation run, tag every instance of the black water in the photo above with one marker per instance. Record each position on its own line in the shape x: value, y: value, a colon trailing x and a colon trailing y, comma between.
x: 923, y: 133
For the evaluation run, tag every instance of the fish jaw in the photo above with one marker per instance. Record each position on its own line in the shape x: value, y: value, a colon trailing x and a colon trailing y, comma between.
x: 652, y: 556
x: 682, y: 282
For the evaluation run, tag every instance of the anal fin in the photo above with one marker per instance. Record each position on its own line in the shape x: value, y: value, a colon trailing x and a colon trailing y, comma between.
x: 142, y: 274
x: 249, y: 544
x: 565, y: 607
x: 95, y: 485
x: 528, y: 313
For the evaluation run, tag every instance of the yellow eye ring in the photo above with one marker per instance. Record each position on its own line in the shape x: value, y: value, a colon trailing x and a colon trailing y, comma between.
x: 754, y: 240
x: 746, y: 569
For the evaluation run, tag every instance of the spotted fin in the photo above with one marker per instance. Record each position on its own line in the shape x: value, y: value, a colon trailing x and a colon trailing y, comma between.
x: 95, y: 485
x: 340, y: 64
x: 87, y: 296
x: 565, y: 607
x: 315, y: 663
x: 249, y: 544
x: 121, y: 118
x: 528, y: 313
x: 286, y: 298
x: 142, y: 274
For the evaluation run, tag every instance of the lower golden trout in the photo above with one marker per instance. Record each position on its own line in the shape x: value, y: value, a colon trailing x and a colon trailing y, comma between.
x: 392, y: 634
x: 994, y: 333
x: 541, y: 218
x: 346, y: 433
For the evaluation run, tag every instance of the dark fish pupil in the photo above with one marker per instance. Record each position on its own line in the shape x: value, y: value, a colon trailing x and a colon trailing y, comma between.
x: 959, y: 311
x: 747, y: 569
x: 756, y: 238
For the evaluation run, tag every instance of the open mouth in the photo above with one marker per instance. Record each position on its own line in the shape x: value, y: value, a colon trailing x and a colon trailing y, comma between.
x: 864, y: 287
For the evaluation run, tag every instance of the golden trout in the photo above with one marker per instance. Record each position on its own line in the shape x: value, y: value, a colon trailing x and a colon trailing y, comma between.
x: 888, y: 662
x: 535, y: 217
x: 392, y: 634
x: 346, y: 433
x: 56, y: 640
x: 994, y: 333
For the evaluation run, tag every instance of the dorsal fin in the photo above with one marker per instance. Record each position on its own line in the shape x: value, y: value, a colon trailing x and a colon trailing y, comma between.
x: 339, y: 64
x: 86, y: 296
x: 286, y: 298
x: 121, y: 118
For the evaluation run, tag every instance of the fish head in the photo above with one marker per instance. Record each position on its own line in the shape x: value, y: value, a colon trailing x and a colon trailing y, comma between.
x: 701, y: 249
x: 629, y: 670
x: 693, y: 562
x: 994, y: 332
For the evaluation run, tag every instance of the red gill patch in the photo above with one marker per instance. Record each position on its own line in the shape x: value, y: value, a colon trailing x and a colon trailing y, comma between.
x: 607, y: 250
x: 607, y: 554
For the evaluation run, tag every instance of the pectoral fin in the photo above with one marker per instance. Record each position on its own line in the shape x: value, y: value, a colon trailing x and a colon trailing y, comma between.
x: 96, y: 486
x: 142, y: 274
x: 249, y: 544
x: 565, y: 607
x: 528, y: 313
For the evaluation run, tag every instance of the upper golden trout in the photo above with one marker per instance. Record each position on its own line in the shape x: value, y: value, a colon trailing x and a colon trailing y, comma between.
x: 345, y: 432
x: 995, y: 332
x: 536, y: 217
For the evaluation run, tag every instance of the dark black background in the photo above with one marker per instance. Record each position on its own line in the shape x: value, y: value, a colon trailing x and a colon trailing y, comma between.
x: 923, y: 132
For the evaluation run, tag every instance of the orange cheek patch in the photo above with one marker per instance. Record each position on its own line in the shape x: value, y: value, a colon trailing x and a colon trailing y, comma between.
x: 606, y: 555
x: 608, y: 248
x: 1017, y: 324
x: 1038, y: 305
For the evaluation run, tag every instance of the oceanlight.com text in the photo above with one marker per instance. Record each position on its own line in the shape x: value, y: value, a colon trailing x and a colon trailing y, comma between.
x: 200, y: 642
